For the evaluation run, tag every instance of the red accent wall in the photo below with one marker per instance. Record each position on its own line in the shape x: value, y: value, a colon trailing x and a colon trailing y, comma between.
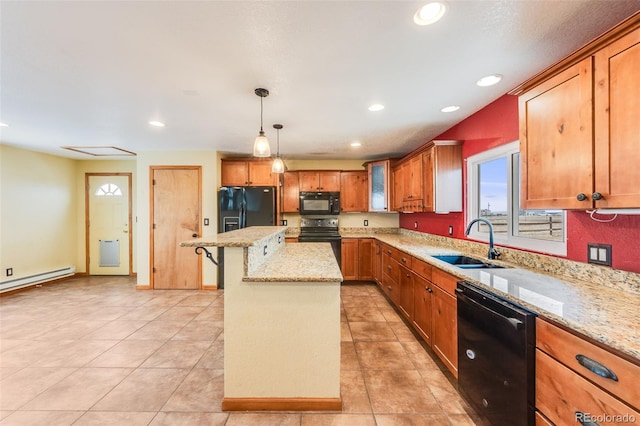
x: 495, y: 125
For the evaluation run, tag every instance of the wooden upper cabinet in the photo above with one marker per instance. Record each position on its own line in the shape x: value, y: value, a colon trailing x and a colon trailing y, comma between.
x: 556, y: 141
x: 579, y: 128
x: 248, y: 173
x: 398, y: 188
x: 354, y: 191
x: 617, y: 123
x: 318, y: 180
x: 379, y: 190
x: 442, y: 177
x: 290, y: 193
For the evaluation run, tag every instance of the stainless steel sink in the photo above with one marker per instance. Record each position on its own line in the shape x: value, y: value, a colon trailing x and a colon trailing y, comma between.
x: 465, y: 262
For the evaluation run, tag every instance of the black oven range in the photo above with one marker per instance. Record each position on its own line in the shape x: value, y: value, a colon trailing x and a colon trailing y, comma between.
x: 321, y: 229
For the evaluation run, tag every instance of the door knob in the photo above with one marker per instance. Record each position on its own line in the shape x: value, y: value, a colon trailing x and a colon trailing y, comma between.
x: 597, y: 196
x: 581, y: 197
x: 194, y: 235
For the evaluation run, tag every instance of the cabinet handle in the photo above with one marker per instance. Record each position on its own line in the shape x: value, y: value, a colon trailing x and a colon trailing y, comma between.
x: 389, y: 287
x: 581, y: 197
x: 389, y: 267
x: 389, y: 251
x: 408, y: 275
x: 404, y: 260
x: 428, y: 290
x: 596, y: 368
x: 597, y: 196
x: 585, y: 419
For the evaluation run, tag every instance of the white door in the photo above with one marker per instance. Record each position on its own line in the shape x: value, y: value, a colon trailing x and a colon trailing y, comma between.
x: 108, y: 227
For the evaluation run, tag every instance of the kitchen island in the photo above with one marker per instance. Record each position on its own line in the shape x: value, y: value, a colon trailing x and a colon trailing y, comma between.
x: 282, y: 321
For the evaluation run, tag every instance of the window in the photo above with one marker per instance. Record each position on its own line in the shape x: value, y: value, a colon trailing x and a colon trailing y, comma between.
x: 494, y: 194
x: 108, y: 190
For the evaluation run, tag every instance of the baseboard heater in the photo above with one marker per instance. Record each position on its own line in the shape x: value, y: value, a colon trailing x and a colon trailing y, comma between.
x: 37, y: 278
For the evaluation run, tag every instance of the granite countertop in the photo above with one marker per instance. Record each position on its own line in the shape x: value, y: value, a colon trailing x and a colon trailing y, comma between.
x: 245, y: 237
x: 608, y: 315
x: 309, y: 262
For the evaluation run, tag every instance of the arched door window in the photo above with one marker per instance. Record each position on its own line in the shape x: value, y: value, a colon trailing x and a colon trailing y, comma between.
x: 109, y: 190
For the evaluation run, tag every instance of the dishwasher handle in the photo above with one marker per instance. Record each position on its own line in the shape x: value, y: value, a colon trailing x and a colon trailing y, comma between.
x: 513, y: 322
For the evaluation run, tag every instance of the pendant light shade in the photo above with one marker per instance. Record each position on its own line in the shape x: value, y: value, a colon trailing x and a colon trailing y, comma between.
x: 261, y: 146
x: 278, y: 164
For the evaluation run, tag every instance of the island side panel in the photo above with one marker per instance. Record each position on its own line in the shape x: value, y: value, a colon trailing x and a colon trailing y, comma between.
x: 282, y: 340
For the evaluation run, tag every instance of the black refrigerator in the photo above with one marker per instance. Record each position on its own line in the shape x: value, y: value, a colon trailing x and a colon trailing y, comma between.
x: 240, y: 207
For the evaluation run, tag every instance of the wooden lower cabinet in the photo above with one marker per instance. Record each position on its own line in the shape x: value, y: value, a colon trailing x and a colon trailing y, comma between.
x: 377, y: 262
x: 405, y: 298
x: 445, y: 328
x: 357, y: 259
x: 422, y: 310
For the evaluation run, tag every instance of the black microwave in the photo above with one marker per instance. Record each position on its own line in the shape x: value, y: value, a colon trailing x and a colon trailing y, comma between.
x: 318, y: 203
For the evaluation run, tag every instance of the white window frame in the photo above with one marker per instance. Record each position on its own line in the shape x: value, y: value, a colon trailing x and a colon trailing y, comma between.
x: 473, y: 190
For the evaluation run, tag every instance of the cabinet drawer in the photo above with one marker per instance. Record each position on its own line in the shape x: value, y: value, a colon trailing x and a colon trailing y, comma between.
x: 421, y: 268
x: 564, y: 396
x: 390, y: 267
x: 566, y: 347
x: 445, y: 281
x: 400, y: 256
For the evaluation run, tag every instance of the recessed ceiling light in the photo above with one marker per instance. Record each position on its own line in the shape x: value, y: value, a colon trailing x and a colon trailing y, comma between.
x: 450, y: 108
x: 355, y: 144
x: 376, y: 107
x: 4, y: 125
x: 429, y: 13
x: 489, y: 80
x: 157, y: 123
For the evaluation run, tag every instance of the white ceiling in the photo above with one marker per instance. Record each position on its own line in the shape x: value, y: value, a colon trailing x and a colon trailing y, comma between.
x: 88, y: 73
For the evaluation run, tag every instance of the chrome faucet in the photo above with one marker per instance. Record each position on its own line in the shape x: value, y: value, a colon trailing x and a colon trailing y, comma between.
x: 493, y: 253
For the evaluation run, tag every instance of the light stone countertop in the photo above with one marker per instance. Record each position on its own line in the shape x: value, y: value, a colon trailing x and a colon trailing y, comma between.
x: 245, y: 237
x: 308, y: 262
x: 608, y: 315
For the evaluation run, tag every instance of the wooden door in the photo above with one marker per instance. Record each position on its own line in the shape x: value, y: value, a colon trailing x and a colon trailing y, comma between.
x: 353, y: 191
x: 556, y: 141
x: 290, y: 192
x: 175, y: 217
x: 415, y: 165
x: 445, y: 328
x: 422, y: 310
x: 406, y: 292
x: 377, y: 262
x: 428, y: 194
x: 349, y: 259
x: 617, y: 123
x: 234, y: 173
x: 365, y: 259
x: 309, y: 181
x: 260, y: 173
x: 398, y: 188
x: 329, y: 181
x: 108, y: 223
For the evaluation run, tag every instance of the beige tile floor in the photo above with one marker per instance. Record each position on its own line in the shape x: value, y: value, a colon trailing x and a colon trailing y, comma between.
x: 95, y: 351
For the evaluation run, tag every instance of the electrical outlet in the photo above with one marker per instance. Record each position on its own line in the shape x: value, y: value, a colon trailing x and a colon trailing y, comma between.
x: 450, y: 229
x: 9, y: 272
x: 599, y: 254
x: 415, y: 225
x: 366, y: 222
x: 206, y: 221
x: 283, y: 222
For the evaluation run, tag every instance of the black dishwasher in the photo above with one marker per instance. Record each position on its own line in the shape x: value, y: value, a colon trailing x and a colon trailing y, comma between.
x: 496, y: 356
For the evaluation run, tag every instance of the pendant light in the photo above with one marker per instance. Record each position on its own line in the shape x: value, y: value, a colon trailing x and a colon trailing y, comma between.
x: 278, y: 164
x: 261, y: 146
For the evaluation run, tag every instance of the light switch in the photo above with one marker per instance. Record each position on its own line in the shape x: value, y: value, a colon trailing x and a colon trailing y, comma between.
x: 599, y: 254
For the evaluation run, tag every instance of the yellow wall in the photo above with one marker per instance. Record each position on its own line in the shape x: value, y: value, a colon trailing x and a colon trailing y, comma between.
x: 38, y: 212
x: 210, y: 177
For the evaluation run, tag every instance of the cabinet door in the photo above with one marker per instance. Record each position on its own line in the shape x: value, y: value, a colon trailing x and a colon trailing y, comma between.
x: 377, y: 262
x: 260, y: 174
x: 415, y: 165
x: 353, y: 191
x: 428, y: 195
x: 309, y: 181
x: 365, y: 259
x: 617, y: 151
x: 290, y: 193
x: 235, y: 173
x: 556, y: 141
x: 398, y: 189
x: 329, y: 181
x: 379, y: 186
x: 405, y: 301
x: 407, y: 186
x: 349, y: 259
x: 422, y: 315
x: 445, y: 329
